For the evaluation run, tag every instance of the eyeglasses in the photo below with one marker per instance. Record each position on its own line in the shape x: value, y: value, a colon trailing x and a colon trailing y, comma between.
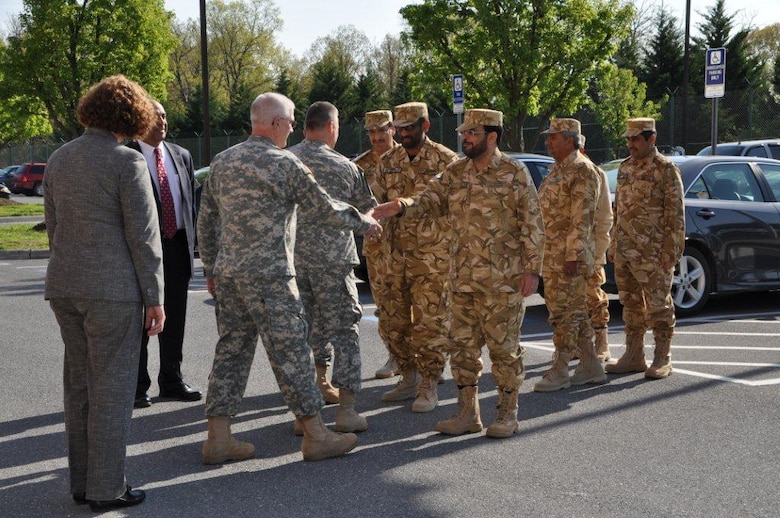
x: 471, y: 133
x: 293, y: 124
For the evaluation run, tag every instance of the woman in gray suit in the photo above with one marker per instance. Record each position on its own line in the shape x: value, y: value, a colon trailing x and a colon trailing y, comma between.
x: 105, y: 266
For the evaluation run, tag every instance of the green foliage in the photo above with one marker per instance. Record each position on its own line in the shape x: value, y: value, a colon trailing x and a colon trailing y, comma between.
x: 17, y: 209
x: 662, y: 69
x: 523, y: 57
x: 64, y: 46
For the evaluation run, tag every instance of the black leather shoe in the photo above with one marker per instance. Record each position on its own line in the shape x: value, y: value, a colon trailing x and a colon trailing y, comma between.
x: 130, y: 498
x: 142, y: 402
x: 80, y: 498
x: 181, y: 392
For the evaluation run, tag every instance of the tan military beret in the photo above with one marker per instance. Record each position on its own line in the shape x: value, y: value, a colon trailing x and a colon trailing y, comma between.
x: 636, y: 126
x: 481, y: 117
x: 408, y: 113
x: 378, y: 119
x: 561, y: 125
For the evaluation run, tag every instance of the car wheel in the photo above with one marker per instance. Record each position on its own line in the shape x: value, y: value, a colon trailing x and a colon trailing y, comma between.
x: 38, y: 189
x: 692, y: 283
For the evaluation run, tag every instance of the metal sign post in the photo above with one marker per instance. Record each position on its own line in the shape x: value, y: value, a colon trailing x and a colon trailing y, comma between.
x: 715, y: 86
x: 457, y: 100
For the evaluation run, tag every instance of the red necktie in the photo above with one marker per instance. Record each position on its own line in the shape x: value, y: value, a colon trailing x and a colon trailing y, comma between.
x: 166, y: 198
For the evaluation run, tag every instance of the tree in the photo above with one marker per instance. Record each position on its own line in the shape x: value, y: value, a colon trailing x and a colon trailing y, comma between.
x: 663, y: 66
x: 523, y: 57
x: 64, y: 46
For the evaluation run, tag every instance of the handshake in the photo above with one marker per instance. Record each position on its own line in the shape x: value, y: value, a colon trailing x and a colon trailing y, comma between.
x: 385, y: 210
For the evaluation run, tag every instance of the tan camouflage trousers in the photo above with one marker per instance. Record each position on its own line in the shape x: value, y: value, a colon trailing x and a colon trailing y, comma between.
x: 248, y: 308
x: 376, y: 269
x: 492, y: 320
x: 596, y: 299
x: 413, y: 315
x: 645, y: 292
x: 333, y: 312
x: 564, y: 296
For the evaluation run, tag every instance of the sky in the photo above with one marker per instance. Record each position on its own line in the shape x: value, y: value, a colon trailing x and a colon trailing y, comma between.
x: 307, y: 20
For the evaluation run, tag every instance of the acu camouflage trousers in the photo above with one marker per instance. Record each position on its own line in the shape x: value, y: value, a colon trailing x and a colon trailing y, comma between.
x: 564, y: 296
x: 270, y: 308
x: 492, y: 320
x: 333, y: 313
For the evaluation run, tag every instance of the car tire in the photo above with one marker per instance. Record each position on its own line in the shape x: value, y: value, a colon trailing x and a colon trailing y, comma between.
x: 692, y: 283
x: 38, y: 189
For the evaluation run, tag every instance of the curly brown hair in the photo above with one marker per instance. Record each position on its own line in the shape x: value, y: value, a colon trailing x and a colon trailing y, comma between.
x: 119, y: 105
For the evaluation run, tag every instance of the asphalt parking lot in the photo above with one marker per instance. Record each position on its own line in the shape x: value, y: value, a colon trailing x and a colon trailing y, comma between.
x: 701, y: 443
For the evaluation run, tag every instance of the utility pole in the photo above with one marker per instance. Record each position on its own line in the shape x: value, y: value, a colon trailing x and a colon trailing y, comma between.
x: 204, y: 60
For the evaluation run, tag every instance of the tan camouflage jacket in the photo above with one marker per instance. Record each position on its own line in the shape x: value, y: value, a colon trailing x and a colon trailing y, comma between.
x: 425, y: 237
x: 649, y: 212
x: 367, y: 162
x: 567, y: 197
x: 602, y: 223
x: 497, y: 231
x: 318, y: 245
x: 247, y: 219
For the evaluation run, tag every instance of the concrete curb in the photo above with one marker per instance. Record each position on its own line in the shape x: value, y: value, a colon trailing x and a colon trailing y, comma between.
x: 25, y: 254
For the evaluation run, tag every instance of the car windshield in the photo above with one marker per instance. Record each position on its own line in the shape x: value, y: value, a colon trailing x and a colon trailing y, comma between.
x: 723, y: 149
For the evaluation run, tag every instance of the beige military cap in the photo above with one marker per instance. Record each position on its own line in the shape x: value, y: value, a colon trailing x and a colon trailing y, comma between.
x: 481, y: 117
x: 561, y: 125
x: 378, y: 119
x: 408, y: 113
x: 636, y: 126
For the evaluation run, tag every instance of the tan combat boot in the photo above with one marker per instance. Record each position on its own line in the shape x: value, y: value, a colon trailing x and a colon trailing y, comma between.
x: 347, y: 418
x: 406, y: 388
x: 427, y: 394
x: 389, y: 369
x: 466, y: 419
x: 329, y: 393
x: 557, y: 377
x: 602, y: 347
x: 320, y: 443
x: 297, y: 427
x: 662, y: 358
x: 220, y: 446
x: 506, y: 423
x: 590, y: 369
x: 633, y: 360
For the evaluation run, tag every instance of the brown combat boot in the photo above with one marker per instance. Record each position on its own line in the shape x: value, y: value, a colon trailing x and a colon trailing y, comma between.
x: 662, y: 358
x: 633, y: 360
x: 297, y: 427
x: 506, y: 423
x: 347, y: 418
x: 602, y: 347
x: 329, y: 393
x: 220, y: 446
x: 320, y: 443
x: 557, y: 377
x: 389, y: 369
x: 406, y: 388
x: 466, y: 419
x: 589, y: 370
x: 427, y: 395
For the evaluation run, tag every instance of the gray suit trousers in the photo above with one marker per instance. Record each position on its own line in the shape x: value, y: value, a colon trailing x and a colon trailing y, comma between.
x: 101, y: 366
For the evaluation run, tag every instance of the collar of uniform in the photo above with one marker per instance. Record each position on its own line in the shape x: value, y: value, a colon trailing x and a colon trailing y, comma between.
x: 651, y: 156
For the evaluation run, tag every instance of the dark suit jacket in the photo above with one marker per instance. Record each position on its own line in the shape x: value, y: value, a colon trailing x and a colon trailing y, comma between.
x: 182, y: 159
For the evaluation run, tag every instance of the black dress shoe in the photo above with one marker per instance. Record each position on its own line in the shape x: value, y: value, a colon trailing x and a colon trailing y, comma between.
x: 181, y: 392
x: 80, y: 498
x: 142, y: 402
x: 130, y: 498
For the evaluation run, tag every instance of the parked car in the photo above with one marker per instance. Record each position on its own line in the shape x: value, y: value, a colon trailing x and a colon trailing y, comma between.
x: 768, y: 148
x: 7, y: 173
x: 732, y: 228
x: 28, y: 179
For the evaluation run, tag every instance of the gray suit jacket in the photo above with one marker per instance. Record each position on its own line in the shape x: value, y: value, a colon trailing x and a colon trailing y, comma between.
x: 102, y: 224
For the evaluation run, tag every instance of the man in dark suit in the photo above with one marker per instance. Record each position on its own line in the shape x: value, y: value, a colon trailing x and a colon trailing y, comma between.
x: 178, y: 244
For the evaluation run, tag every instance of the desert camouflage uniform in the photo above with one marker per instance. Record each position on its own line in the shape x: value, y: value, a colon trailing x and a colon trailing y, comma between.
x: 246, y: 237
x: 324, y: 260
x: 567, y: 197
x: 372, y: 250
x: 412, y: 316
x: 649, y: 230
x: 597, y: 300
x: 497, y: 234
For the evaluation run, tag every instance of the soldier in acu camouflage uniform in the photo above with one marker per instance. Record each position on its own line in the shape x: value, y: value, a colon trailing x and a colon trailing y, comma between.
x: 412, y: 316
x: 647, y: 242
x: 246, y: 229
x: 324, y: 261
x: 567, y: 197
x: 495, y: 261
x: 379, y: 125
